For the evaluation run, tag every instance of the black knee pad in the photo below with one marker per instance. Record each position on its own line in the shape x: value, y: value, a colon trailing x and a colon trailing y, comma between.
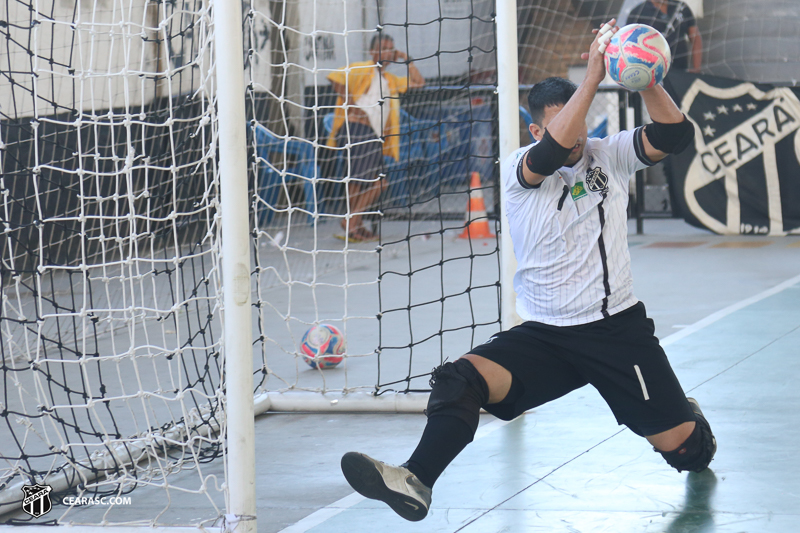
x: 458, y: 390
x: 696, y: 452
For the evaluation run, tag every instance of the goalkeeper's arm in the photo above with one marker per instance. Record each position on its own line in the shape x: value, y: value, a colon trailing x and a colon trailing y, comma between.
x: 671, y: 132
x: 566, y: 128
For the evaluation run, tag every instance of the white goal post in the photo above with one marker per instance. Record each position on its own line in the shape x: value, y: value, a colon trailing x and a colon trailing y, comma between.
x: 237, y: 318
x: 508, y: 137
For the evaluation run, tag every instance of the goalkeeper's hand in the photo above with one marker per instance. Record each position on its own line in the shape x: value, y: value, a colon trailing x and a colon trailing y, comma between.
x: 596, y: 69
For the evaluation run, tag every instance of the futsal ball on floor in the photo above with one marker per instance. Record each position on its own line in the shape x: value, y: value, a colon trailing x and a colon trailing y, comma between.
x: 638, y: 57
x: 322, y: 346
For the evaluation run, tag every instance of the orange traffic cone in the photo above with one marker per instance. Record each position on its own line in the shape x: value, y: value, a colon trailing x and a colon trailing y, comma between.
x: 477, y: 220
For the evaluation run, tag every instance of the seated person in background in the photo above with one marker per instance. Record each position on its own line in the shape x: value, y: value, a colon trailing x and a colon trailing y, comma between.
x: 361, y: 120
x: 677, y: 24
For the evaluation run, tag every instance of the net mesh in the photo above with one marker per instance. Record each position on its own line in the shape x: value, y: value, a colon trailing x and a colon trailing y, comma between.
x: 745, y: 39
x: 741, y: 39
x: 316, y: 158
x: 109, y: 331
x: 111, y: 291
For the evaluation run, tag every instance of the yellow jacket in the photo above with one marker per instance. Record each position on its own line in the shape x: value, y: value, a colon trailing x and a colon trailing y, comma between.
x: 357, y: 81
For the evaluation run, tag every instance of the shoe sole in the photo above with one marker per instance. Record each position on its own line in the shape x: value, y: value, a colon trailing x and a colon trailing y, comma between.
x: 366, y: 479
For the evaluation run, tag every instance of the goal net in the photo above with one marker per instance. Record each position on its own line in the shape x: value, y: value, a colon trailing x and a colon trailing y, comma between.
x: 110, y: 326
x: 333, y: 162
x: 741, y: 40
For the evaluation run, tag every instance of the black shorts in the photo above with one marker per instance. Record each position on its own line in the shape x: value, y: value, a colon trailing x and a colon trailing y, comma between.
x: 619, y: 355
x: 364, y: 160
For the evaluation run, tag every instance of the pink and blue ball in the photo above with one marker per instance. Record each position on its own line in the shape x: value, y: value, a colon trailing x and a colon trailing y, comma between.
x: 638, y: 57
x: 322, y: 346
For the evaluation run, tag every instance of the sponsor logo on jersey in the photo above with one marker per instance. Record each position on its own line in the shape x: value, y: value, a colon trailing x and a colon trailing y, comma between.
x: 578, y: 191
x: 37, y: 500
x: 596, y: 180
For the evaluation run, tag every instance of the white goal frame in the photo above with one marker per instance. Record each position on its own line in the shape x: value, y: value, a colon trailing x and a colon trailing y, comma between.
x: 241, y: 406
x: 237, y: 318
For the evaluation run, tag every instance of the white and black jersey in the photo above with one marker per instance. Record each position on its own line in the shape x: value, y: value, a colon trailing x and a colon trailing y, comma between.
x: 570, y: 237
x: 570, y: 233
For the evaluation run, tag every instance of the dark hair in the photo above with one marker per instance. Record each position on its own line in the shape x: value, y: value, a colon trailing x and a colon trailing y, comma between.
x: 381, y: 36
x: 549, y: 92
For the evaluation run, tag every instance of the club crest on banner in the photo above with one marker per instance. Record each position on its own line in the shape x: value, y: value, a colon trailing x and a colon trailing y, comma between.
x: 740, y: 131
x: 37, y: 500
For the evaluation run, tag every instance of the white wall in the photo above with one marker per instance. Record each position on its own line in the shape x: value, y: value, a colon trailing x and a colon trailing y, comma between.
x: 451, y: 38
x: 344, y: 29
x: 93, y: 56
x: 333, y: 35
x: 98, y: 48
x: 695, y: 5
x: 257, y: 35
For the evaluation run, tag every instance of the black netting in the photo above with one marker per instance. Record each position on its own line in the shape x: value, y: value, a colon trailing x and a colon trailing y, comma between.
x: 109, y: 332
x: 324, y: 177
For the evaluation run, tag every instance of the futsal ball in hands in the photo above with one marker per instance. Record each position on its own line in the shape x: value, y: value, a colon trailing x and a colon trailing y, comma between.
x: 638, y: 57
x: 322, y: 346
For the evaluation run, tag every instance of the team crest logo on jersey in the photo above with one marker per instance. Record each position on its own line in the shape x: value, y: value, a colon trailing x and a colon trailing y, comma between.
x: 596, y: 180
x: 746, y: 140
x: 578, y: 191
x: 37, y: 500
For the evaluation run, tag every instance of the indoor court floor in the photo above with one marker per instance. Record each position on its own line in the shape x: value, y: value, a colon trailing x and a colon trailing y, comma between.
x: 727, y: 310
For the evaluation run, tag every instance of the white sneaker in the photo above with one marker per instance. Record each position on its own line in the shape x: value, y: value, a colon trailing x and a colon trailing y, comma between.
x: 394, y: 485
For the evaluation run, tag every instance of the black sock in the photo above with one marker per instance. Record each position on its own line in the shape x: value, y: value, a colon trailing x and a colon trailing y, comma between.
x: 443, y: 439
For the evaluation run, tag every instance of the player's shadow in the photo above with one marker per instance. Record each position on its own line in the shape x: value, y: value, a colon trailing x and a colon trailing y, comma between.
x: 696, y: 515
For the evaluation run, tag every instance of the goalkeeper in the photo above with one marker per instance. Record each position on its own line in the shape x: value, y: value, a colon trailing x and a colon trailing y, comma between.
x: 566, y: 198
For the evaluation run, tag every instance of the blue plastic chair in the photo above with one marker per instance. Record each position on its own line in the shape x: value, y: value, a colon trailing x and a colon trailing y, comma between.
x: 300, y: 164
x: 404, y: 173
x: 526, y: 116
x: 327, y: 125
x: 433, y: 144
x: 465, y: 143
x: 601, y: 131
